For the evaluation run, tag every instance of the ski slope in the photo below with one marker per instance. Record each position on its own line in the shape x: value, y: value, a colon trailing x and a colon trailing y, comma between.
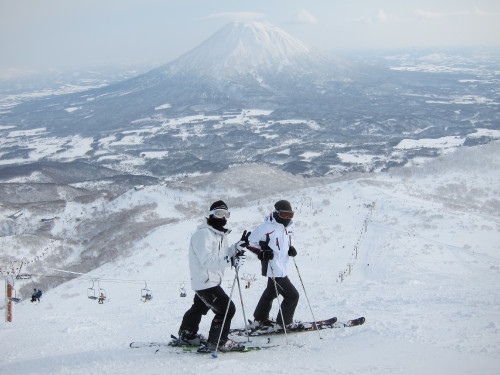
x: 416, y: 252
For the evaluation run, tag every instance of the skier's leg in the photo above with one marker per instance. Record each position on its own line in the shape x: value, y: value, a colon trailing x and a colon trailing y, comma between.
x: 265, y: 303
x: 192, y: 318
x: 290, y: 299
x: 217, y: 300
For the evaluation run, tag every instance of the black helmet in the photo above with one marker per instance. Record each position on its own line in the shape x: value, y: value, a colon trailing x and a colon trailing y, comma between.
x: 283, y: 212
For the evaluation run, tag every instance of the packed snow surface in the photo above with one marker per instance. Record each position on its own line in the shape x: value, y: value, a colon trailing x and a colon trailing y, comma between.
x: 415, y: 251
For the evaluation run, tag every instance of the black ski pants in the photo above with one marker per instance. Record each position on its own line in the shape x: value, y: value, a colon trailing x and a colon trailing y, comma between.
x: 288, y: 305
x: 214, y: 299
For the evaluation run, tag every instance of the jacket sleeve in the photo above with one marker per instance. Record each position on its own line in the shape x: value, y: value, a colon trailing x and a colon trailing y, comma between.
x: 210, y: 258
x: 231, y: 251
x: 257, y: 235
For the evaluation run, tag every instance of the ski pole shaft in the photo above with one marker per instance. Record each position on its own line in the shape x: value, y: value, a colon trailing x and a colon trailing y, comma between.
x: 305, y: 293
x: 279, y: 304
x: 225, y: 315
x: 242, y: 305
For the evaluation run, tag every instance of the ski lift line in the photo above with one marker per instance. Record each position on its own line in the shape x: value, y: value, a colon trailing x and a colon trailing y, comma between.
x: 117, y: 281
x: 110, y: 280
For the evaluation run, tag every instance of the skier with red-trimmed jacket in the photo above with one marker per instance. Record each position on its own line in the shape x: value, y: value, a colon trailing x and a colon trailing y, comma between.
x: 272, y: 242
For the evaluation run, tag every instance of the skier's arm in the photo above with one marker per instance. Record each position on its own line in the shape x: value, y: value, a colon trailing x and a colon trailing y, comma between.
x: 255, y: 237
x: 259, y: 244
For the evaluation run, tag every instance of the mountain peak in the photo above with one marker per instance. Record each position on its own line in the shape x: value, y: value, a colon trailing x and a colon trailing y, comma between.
x: 248, y: 47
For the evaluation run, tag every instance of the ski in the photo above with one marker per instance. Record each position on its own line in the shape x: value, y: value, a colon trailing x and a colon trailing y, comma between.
x: 306, y: 327
x: 194, y: 350
x: 147, y: 344
x: 175, y: 346
x: 175, y: 342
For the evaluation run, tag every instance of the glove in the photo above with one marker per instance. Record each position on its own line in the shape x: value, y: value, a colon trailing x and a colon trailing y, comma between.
x: 266, y: 255
x: 239, y: 259
x: 244, y: 237
x: 292, y: 252
x: 264, y: 245
x: 242, y: 244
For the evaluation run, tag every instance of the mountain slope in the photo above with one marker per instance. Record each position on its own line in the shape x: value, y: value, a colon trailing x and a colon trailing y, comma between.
x: 423, y: 270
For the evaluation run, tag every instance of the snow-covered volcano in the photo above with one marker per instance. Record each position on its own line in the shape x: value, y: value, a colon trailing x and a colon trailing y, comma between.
x: 253, y: 47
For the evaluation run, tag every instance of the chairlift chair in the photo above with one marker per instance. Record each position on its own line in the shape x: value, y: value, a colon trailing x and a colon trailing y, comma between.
x: 146, y: 294
x: 14, y: 298
x: 23, y: 276
x: 92, y: 293
x: 101, y: 291
x: 183, y: 291
x: 13, y: 292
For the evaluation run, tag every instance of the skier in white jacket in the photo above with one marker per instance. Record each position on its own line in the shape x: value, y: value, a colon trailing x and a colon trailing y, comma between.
x: 272, y: 241
x: 209, y: 255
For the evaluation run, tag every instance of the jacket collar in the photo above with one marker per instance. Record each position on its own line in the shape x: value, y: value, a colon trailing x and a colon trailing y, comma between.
x: 204, y: 224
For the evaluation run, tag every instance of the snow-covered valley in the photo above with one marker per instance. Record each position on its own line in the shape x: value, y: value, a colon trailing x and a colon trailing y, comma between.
x: 416, y: 251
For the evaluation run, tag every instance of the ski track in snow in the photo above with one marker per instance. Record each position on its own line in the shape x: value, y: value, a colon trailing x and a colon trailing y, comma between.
x: 426, y: 278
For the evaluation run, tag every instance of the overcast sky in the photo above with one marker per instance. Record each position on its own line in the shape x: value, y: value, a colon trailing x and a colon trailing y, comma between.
x: 42, y: 34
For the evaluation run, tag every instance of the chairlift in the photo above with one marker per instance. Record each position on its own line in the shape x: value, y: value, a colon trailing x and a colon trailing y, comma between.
x: 14, y: 298
x: 101, y: 291
x: 183, y: 290
x: 23, y: 276
x: 146, y: 294
x: 13, y: 292
x: 249, y: 279
x: 102, y: 294
x: 92, y: 292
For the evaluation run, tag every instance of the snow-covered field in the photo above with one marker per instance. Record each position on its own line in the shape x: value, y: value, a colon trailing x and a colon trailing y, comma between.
x: 416, y: 252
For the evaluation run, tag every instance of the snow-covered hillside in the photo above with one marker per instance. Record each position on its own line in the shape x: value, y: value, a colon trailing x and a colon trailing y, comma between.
x: 416, y: 251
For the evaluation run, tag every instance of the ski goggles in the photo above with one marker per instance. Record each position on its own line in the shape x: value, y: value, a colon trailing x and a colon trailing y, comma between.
x: 219, y: 213
x: 285, y: 214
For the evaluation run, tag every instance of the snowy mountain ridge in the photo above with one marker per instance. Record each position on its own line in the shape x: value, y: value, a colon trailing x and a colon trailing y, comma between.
x: 248, y: 46
x: 253, y: 94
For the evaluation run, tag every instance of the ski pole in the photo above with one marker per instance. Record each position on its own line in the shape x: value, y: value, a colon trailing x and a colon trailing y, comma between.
x: 242, y: 306
x: 305, y: 293
x: 225, y: 316
x: 279, y: 304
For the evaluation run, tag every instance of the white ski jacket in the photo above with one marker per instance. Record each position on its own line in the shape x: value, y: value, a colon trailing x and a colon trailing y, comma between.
x: 209, y: 255
x: 280, y: 240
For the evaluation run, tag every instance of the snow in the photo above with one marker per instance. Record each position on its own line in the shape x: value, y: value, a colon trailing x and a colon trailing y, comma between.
x: 346, y: 157
x: 163, y: 106
x: 416, y: 251
x: 443, y: 143
x: 485, y: 133
x: 72, y: 109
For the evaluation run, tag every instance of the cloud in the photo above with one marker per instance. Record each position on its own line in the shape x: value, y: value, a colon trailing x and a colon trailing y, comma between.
x: 380, y: 16
x: 236, y: 16
x: 427, y: 14
x: 433, y: 15
x: 304, y: 17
